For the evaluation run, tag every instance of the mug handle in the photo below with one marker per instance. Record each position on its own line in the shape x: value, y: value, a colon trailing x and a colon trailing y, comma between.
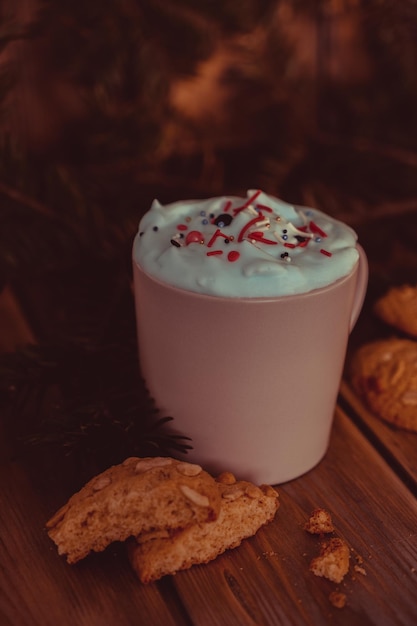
x: 361, y: 285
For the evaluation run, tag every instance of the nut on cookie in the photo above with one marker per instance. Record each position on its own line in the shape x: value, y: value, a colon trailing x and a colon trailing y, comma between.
x: 139, y: 495
x: 244, y: 508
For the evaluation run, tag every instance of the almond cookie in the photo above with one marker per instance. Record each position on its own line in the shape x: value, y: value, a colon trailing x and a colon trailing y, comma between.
x: 384, y: 374
x: 244, y: 509
x: 140, y: 495
x: 398, y: 307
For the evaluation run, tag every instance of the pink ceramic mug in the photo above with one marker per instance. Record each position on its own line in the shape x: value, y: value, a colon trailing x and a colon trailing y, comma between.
x: 252, y: 381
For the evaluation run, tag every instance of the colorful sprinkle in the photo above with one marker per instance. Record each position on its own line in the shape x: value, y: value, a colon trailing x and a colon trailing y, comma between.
x: 223, y: 220
x: 259, y: 236
x: 248, y: 226
x: 233, y: 256
x: 263, y: 207
x: 316, y: 229
x: 217, y: 234
x: 194, y: 236
x: 258, y: 222
x: 247, y: 203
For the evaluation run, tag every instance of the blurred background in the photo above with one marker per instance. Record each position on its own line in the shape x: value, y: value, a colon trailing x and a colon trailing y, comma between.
x: 107, y: 104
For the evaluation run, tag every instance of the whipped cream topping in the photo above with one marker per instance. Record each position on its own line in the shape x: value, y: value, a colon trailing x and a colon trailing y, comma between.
x: 251, y: 247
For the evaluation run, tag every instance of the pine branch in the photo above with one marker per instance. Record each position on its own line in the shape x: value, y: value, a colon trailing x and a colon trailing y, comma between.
x: 88, y: 402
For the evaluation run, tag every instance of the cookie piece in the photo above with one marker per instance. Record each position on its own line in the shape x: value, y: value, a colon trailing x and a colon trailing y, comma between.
x: 398, y: 307
x: 384, y: 374
x: 141, y: 494
x: 338, y: 599
x: 319, y: 522
x: 333, y: 560
x: 244, y: 509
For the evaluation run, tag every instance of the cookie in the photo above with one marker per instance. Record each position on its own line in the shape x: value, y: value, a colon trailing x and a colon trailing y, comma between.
x: 244, y: 509
x: 140, y: 495
x: 398, y: 307
x: 384, y: 374
x: 333, y: 560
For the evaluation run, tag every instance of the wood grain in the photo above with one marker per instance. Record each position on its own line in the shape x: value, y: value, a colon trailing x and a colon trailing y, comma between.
x: 266, y: 581
x: 398, y: 446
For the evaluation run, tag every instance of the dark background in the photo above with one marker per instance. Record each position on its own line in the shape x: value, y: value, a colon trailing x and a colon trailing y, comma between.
x: 109, y: 104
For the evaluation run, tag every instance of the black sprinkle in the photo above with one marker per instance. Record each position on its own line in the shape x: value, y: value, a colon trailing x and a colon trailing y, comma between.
x: 225, y: 219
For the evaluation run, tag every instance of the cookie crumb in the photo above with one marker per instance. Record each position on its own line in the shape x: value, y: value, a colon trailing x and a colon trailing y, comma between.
x: 333, y: 560
x: 360, y: 570
x: 337, y: 599
x: 319, y: 522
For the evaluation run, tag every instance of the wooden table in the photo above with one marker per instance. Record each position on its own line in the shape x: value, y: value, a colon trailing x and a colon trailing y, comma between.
x: 367, y: 481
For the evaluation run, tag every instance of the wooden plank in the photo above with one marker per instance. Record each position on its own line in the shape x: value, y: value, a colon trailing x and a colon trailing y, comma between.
x: 37, y: 587
x: 266, y: 580
x: 399, y: 447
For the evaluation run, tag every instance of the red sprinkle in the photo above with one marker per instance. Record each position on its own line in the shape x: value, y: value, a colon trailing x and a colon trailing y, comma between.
x: 316, y: 229
x: 248, y: 225
x: 264, y: 207
x: 289, y: 245
x: 214, y: 252
x: 182, y: 227
x: 259, y: 236
x: 218, y: 233
x: 325, y: 252
x: 233, y: 256
x: 194, y: 236
x: 228, y: 205
x: 247, y: 203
